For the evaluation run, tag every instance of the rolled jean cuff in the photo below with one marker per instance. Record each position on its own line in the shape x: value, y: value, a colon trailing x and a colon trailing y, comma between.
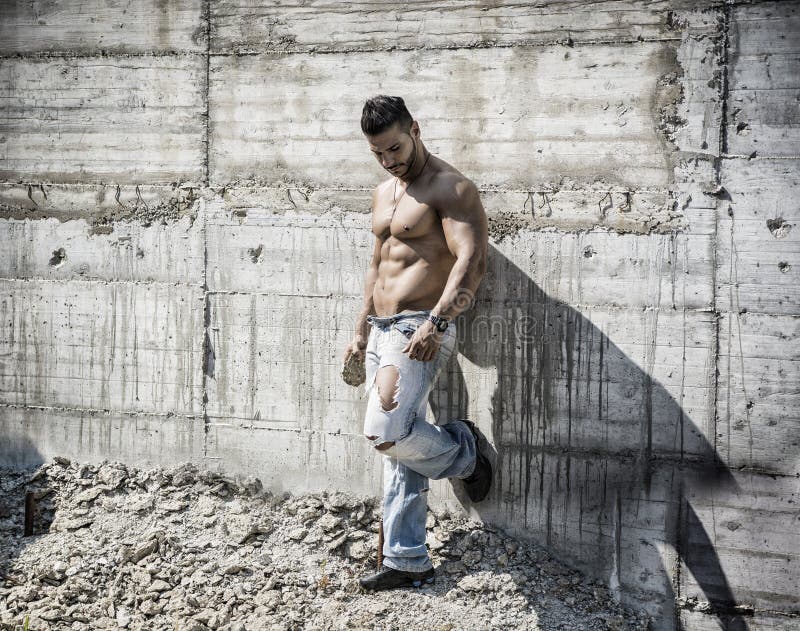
x: 408, y: 564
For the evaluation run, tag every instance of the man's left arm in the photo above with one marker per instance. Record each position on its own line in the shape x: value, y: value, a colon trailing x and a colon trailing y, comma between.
x: 466, y: 232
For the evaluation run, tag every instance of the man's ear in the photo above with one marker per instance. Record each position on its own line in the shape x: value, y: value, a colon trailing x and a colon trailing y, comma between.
x: 415, y: 129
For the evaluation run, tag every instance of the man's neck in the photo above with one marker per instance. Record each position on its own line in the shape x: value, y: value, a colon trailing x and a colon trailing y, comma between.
x: 422, y: 157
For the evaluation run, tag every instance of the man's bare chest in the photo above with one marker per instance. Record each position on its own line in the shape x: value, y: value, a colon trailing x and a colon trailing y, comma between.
x: 411, y: 220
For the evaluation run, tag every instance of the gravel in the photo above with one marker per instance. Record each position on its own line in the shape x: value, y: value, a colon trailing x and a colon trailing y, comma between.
x: 120, y: 548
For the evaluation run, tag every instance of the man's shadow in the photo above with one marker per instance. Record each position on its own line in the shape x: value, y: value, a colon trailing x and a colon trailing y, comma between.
x: 594, y: 458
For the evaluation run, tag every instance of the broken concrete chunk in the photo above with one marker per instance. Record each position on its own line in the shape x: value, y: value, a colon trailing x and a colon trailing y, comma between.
x: 143, y: 551
x: 329, y: 522
x: 336, y: 543
x: 89, y: 495
x: 140, y: 502
x: 68, y: 524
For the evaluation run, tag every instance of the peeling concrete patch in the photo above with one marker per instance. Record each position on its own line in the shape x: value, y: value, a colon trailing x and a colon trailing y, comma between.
x: 669, y: 94
x: 109, y: 251
x: 503, y: 225
x: 101, y: 229
x: 779, y: 228
x: 58, y: 258
x: 508, y: 224
x: 255, y: 253
x: 99, y: 205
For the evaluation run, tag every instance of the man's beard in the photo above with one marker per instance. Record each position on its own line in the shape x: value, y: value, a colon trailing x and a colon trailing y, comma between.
x: 413, y: 159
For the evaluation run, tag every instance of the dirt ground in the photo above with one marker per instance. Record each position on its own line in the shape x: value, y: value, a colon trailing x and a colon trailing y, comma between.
x: 119, y: 548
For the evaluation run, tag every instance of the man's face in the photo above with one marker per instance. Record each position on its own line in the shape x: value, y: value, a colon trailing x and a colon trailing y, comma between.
x: 394, y: 148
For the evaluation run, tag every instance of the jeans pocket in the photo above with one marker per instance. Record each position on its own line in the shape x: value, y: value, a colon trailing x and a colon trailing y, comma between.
x: 406, y: 328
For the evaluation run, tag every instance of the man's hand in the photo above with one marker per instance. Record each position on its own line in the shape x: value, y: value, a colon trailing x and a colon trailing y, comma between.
x: 357, y: 347
x: 425, y: 342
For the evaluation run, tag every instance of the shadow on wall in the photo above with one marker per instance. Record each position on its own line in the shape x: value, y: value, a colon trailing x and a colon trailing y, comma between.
x: 18, y: 452
x: 20, y: 457
x: 595, y: 459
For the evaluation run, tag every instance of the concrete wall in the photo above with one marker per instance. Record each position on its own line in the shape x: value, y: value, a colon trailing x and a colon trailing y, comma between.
x: 184, y: 212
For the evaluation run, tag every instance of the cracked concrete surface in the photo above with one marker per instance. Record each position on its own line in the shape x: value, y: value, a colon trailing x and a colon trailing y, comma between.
x: 184, y: 208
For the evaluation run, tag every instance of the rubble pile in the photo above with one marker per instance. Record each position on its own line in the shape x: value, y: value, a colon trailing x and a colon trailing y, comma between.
x: 119, y: 548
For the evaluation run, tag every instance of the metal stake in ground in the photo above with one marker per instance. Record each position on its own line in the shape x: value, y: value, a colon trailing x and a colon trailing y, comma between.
x: 30, y: 508
x: 380, y: 544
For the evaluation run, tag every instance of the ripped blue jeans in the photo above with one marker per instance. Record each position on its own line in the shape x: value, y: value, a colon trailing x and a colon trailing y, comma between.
x: 421, y: 450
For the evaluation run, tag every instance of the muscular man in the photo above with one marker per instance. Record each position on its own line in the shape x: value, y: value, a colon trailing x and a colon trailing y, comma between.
x: 430, y: 255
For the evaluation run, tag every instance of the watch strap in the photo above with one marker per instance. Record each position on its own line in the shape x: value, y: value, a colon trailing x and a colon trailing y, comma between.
x: 441, y: 324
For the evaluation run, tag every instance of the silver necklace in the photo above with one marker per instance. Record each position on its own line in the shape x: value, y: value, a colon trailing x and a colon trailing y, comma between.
x: 396, y: 179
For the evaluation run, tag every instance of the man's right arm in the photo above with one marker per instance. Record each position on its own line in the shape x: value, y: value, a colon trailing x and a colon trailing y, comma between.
x: 359, y: 342
x: 368, y: 308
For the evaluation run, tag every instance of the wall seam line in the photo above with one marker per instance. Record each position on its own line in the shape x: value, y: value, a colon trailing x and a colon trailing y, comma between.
x: 723, y: 148
x: 207, y: 348
x: 90, y: 410
x: 683, y: 536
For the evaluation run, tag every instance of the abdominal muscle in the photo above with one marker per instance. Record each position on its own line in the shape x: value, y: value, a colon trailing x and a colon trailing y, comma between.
x: 409, y: 281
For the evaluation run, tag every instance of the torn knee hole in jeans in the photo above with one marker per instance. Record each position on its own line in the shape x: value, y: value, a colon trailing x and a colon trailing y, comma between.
x: 387, y: 384
x: 387, y: 381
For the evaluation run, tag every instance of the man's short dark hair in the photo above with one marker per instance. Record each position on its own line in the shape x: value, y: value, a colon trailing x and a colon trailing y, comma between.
x: 381, y: 112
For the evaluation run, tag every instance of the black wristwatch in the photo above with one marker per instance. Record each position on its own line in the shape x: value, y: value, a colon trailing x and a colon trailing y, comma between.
x: 441, y: 324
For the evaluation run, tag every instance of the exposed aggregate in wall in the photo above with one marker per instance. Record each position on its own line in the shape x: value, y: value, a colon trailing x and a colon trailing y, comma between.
x: 184, y: 231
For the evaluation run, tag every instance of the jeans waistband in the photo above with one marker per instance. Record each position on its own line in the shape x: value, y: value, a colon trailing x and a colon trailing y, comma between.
x: 388, y: 320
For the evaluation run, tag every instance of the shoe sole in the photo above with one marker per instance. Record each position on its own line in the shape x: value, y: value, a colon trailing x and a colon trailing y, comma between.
x: 428, y: 581
x: 480, y: 457
x: 418, y: 583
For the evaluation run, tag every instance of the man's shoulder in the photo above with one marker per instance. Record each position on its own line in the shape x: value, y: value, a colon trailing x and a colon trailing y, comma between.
x: 451, y: 186
x: 382, y: 188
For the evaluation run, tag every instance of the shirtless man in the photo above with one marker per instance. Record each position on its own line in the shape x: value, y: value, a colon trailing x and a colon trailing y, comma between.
x: 431, y: 240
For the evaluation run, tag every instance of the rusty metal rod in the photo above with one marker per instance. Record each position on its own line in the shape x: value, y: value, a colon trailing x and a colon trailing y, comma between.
x: 380, y: 544
x: 30, y: 508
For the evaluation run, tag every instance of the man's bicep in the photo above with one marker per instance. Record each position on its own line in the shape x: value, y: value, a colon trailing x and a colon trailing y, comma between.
x: 464, y: 221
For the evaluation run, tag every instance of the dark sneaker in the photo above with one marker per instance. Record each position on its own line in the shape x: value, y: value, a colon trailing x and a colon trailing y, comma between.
x: 477, y: 485
x: 389, y: 578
